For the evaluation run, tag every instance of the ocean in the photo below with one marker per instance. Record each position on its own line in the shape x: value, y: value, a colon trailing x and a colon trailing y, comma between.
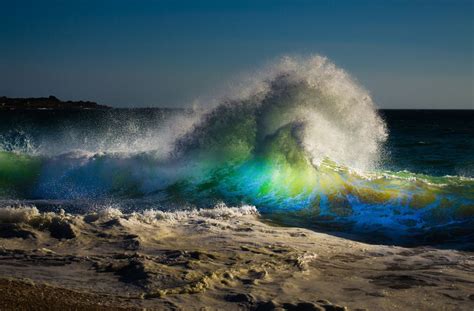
x: 307, y: 149
x: 420, y: 192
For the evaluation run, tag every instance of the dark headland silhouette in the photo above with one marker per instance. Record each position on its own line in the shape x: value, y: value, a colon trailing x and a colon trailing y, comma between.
x: 51, y: 102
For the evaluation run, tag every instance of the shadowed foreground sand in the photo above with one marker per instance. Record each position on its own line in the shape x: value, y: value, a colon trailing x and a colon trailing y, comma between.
x: 220, y: 259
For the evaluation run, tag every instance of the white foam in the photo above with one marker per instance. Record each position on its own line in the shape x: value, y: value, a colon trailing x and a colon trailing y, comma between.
x: 218, y: 212
x: 21, y: 214
x: 30, y: 214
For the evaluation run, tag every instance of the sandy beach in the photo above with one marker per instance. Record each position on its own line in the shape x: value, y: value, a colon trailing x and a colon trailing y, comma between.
x: 219, y: 259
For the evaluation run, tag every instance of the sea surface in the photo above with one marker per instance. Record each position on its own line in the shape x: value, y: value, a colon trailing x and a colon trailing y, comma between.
x: 305, y: 145
x: 421, y: 192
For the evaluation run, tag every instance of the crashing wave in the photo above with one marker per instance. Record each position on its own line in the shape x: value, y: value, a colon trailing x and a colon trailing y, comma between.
x: 302, y: 142
x: 323, y: 110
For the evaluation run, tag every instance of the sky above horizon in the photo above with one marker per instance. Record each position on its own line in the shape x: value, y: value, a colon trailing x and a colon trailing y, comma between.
x: 408, y: 54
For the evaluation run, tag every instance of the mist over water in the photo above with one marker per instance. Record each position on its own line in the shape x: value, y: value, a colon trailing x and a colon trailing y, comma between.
x: 302, y: 141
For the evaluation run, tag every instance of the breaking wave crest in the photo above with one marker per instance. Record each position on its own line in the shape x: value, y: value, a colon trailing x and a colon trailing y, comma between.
x: 324, y: 111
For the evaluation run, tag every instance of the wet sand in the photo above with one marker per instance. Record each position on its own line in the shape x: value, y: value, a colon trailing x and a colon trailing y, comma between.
x: 221, y: 259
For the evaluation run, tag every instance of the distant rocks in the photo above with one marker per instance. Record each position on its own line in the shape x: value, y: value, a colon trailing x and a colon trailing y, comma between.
x: 47, y: 103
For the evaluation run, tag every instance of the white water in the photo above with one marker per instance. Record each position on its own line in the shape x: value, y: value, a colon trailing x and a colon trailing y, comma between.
x: 336, y: 117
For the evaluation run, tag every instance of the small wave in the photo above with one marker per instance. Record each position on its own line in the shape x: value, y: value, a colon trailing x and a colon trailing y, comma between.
x: 31, y: 215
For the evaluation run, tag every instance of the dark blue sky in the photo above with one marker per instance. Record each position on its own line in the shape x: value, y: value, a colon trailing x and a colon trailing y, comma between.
x: 409, y: 54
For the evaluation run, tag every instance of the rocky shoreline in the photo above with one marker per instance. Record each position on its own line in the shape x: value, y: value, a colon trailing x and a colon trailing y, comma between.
x: 47, y: 103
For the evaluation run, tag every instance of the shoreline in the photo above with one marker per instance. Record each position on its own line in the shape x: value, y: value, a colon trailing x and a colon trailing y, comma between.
x: 225, y: 258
